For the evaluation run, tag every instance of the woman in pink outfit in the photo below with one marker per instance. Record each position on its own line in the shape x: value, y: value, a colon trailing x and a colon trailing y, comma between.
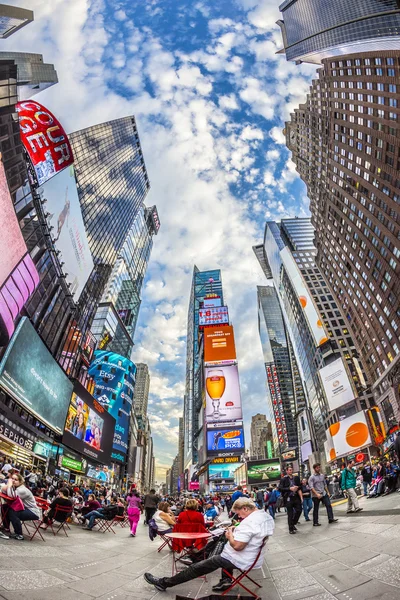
x: 134, y: 510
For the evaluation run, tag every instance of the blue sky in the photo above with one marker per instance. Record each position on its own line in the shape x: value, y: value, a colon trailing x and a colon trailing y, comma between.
x: 210, y: 97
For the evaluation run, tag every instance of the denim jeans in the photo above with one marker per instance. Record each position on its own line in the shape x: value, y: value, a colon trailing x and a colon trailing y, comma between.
x: 272, y: 510
x: 365, y: 486
x: 307, y: 506
x: 95, y: 514
x: 325, y: 500
x: 198, y: 569
x: 15, y: 517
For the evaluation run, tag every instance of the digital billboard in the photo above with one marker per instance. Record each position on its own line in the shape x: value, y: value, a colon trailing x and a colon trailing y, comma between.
x: 336, y: 384
x: 89, y: 429
x: 263, y: 471
x: 44, y: 140
x: 225, y: 441
x: 65, y: 216
x: 18, y: 274
x: 347, y: 435
x: 306, y: 451
x: 213, y: 316
x: 376, y: 425
x: 114, y: 379
x: 32, y: 376
x: 99, y: 473
x: 222, y: 471
x: 223, y: 402
x: 219, y: 345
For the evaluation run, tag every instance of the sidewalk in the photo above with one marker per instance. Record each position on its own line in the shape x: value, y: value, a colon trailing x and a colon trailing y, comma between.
x: 357, y: 558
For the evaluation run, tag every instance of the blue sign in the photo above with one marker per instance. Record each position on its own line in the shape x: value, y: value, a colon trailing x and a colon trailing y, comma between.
x: 224, y: 441
x: 114, y: 378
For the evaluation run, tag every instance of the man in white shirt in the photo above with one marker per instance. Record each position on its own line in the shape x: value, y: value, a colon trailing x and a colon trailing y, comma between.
x: 240, y: 551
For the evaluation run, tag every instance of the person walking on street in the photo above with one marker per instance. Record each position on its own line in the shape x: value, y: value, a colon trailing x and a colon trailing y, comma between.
x: 151, y: 501
x: 238, y: 493
x: 319, y: 493
x: 307, y: 500
x: 366, y: 473
x: 348, y: 485
x: 290, y: 487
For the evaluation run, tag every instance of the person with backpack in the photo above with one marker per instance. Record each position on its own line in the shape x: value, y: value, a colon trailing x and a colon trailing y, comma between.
x: 270, y: 504
x: 348, y: 482
x: 259, y: 498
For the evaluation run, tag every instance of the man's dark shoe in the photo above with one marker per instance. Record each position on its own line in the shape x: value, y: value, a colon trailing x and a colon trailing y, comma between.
x: 333, y: 521
x: 317, y: 524
x: 358, y: 509
x: 223, y: 585
x: 292, y: 532
x: 156, y: 581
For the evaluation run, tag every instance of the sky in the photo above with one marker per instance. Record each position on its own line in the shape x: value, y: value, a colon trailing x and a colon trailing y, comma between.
x: 210, y: 96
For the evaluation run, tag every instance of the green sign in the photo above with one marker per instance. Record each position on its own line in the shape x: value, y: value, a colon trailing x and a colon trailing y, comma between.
x: 270, y: 453
x: 71, y: 463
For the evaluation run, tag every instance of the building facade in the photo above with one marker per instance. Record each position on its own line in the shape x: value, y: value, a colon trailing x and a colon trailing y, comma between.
x: 313, y: 30
x: 12, y: 19
x: 34, y: 75
x: 142, y: 389
x: 261, y: 433
x: 344, y: 142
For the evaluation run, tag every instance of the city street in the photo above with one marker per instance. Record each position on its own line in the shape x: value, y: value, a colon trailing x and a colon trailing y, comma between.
x: 358, y: 558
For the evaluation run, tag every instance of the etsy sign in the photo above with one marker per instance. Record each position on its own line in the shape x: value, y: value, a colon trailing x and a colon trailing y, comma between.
x: 44, y: 140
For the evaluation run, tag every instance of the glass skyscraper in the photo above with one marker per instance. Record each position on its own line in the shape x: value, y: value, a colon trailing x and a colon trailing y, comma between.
x: 316, y: 29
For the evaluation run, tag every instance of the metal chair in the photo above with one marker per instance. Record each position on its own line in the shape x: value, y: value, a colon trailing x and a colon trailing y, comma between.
x: 245, y: 574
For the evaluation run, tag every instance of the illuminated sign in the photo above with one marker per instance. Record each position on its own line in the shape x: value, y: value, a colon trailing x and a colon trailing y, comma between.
x: 44, y: 140
x: 376, y: 425
x: 155, y: 219
x: 336, y: 384
x: 279, y: 415
x: 217, y: 315
x: 227, y: 459
x: 105, y: 340
x: 223, y: 401
x: 212, y: 301
x: 263, y: 471
x: 347, y: 435
x: 219, y: 345
x: 222, y: 442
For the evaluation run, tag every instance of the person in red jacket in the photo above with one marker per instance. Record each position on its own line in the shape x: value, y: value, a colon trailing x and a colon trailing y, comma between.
x: 190, y: 520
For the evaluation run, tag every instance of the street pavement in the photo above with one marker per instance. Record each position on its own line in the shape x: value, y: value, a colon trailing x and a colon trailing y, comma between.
x: 357, y: 558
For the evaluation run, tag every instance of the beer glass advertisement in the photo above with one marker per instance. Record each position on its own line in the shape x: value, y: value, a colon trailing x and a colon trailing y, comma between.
x: 263, y: 471
x: 33, y: 377
x: 225, y: 441
x: 89, y: 428
x: 223, y: 402
x: 219, y: 345
x: 64, y: 215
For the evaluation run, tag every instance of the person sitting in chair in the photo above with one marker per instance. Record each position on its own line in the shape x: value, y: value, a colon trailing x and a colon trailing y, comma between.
x: 240, y: 551
x: 62, y: 500
x: 107, y: 513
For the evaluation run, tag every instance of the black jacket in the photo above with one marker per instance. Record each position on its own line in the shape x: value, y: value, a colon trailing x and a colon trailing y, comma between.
x: 397, y: 445
x: 284, y: 488
x: 111, y: 511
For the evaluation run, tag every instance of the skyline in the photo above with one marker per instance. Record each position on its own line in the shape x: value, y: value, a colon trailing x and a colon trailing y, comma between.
x: 210, y: 98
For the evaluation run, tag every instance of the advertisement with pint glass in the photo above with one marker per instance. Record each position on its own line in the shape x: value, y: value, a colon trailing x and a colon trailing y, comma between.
x: 223, y: 402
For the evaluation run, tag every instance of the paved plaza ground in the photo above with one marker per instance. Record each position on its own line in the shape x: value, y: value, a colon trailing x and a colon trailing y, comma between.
x: 356, y: 559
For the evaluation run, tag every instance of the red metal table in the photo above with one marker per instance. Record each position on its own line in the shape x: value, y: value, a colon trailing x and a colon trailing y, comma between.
x: 192, y: 537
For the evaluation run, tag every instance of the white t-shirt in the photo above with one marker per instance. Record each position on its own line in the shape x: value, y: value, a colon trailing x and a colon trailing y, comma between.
x: 252, y: 530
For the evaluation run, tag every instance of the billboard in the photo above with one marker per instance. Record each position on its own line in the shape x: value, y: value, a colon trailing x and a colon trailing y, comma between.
x: 217, y: 315
x: 222, y: 471
x: 44, y: 139
x: 114, y: 379
x: 18, y: 274
x: 221, y: 442
x: 310, y: 311
x: 219, y: 345
x: 336, y: 384
x: 211, y: 301
x: 89, y: 429
x: 32, y: 376
x: 65, y: 216
x: 263, y: 471
x: 99, y: 473
x: 306, y: 451
x: 347, y: 435
x: 376, y: 425
x: 223, y: 402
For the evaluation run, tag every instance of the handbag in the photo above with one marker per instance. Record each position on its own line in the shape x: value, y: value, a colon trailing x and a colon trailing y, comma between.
x: 17, y: 505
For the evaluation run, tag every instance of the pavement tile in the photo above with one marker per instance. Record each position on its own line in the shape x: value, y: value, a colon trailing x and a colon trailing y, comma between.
x: 351, y: 557
x: 27, y: 580
x: 98, y: 585
x: 372, y: 590
x: 50, y: 593
x: 292, y: 580
x: 280, y: 560
x: 364, y: 567
x: 324, y: 565
x: 309, y: 556
x: 373, y: 528
x: 388, y: 546
x: 339, y: 580
x: 360, y: 540
x: 318, y: 590
x: 388, y: 572
x: 329, y: 546
x: 392, y: 533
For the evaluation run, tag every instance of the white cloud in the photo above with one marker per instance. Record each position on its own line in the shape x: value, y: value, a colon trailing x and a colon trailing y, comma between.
x: 228, y: 102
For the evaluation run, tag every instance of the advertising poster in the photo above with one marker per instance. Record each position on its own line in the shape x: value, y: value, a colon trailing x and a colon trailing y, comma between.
x: 114, y: 378
x: 348, y: 435
x: 311, y: 313
x: 376, y: 425
x: 225, y: 441
x: 219, y: 345
x: 306, y: 450
x: 224, y: 471
x: 223, y: 402
x: 65, y: 216
x: 33, y: 377
x: 44, y: 140
x: 336, y: 384
x: 99, y: 473
x: 89, y: 429
x: 213, y: 316
x: 263, y: 471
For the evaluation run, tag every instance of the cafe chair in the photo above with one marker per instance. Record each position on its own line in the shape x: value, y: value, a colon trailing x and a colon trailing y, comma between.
x: 245, y: 575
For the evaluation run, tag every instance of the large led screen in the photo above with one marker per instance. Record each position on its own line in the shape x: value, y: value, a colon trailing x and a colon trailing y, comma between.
x: 89, y: 428
x: 44, y: 140
x: 114, y: 378
x: 263, y: 471
x: 213, y: 316
x: 223, y: 402
x: 336, y: 384
x: 219, y: 345
x: 347, y: 435
x: 223, y: 471
x: 65, y: 216
x: 225, y: 441
x: 32, y: 376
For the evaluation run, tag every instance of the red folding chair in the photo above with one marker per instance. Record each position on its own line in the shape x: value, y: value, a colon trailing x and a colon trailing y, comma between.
x: 61, y: 515
x: 245, y: 574
x: 166, y: 542
x: 107, y: 524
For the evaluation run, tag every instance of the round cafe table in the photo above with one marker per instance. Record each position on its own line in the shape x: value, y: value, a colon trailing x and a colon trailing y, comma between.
x: 192, y: 537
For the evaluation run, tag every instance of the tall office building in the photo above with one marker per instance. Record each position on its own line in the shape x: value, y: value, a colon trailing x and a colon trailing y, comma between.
x: 12, y: 19
x: 203, y: 283
x: 314, y: 30
x: 344, y: 142
x: 278, y: 358
x: 34, y: 75
x: 142, y: 389
x: 261, y: 433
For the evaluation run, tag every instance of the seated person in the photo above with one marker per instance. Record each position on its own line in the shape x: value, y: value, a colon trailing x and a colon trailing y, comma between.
x: 164, y: 518
x: 90, y: 505
x: 16, y: 490
x: 211, y: 512
x: 240, y: 551
x: 107, y: 513
x: 63, y: 500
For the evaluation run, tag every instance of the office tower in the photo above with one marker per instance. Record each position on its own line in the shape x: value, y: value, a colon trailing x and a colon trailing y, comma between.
x: 261, y: 434
x: 181, y: 449
x: 34, y: 75
x: 320, y: 29
x: 203, y: 283
x: 12, y: 19
x: 344, y: 142
x: 141, y: 393
x: 277, y: 350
